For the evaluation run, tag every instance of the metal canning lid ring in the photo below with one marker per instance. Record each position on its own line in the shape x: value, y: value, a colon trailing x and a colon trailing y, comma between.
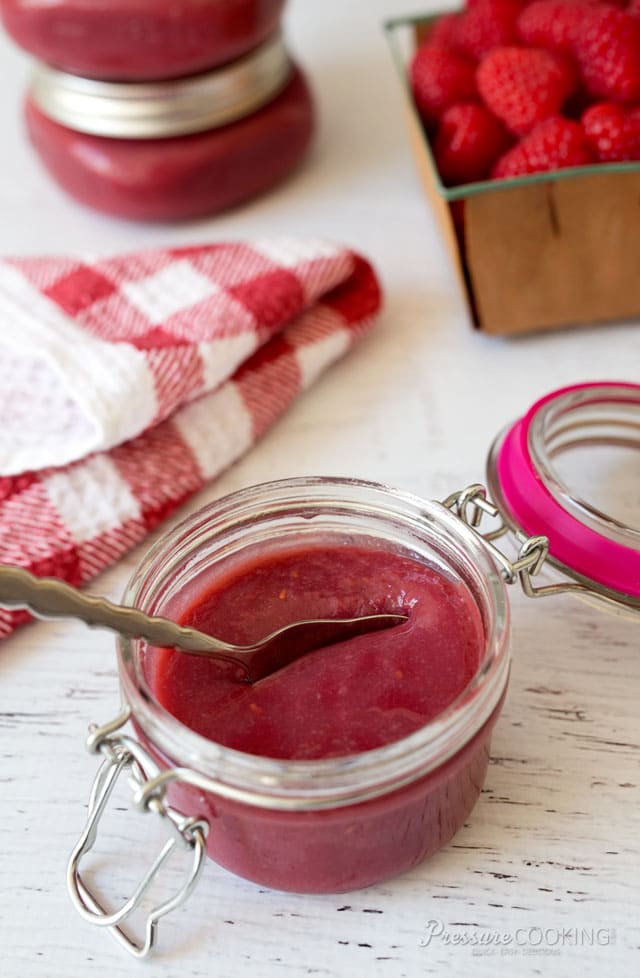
x: 156, y: 110
x: 586, y: 543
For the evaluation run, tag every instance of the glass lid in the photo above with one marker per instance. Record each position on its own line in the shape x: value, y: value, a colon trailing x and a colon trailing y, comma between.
x: 570, y: 469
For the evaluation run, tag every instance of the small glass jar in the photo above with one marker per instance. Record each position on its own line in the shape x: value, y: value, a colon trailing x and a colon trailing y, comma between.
x: 139, y: 40
x: 346, y: 822
x: 342, y: 823
x: 173, y: 150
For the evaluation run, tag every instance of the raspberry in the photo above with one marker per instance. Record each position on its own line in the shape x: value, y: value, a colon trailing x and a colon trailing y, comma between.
x: 613, y: 132
x: 553, y: 144
x: 485, y: 25
x: 524, y: 86
x: 443, y: 31
x: 607, y: 48
x: 440, y: 78
x: 550, y: 24
x: 469, y: 141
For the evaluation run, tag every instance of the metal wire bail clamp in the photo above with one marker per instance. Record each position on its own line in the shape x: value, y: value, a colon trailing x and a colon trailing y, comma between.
x: 122, y: 754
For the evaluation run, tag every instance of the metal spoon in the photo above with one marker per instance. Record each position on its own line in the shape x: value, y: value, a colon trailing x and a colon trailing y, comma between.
x: 47, y: 597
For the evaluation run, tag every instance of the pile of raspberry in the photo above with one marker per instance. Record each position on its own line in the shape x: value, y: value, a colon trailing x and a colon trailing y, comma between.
x: 510, y: 87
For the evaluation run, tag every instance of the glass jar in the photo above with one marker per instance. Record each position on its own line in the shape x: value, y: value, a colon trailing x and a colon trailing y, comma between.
x: 139, y: 40
x: 327, y: 825
x: 345, y: 822
x: 173, y: 150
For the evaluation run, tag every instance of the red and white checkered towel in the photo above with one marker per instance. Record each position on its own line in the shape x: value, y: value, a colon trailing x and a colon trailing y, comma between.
x: 128, y: 383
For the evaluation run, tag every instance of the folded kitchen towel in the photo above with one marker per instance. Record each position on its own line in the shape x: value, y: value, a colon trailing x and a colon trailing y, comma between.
x: 127, y: 383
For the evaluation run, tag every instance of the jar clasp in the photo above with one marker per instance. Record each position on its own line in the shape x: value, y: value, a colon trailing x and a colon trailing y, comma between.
x: 471, y: 505
x: 122, y: 754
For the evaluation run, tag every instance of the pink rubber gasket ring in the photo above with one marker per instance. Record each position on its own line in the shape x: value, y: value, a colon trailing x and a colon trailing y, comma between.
x: 577, y: 546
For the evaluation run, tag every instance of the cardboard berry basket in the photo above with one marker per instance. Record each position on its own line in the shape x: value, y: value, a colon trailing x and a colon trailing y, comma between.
x: 537, y: 252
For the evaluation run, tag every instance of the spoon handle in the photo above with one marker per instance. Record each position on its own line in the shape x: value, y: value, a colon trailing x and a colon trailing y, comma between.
x: 47, y: 597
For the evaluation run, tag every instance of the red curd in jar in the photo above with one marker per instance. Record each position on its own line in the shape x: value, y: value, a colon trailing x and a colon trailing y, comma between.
x: 177, y: 150
x: 350, y: 697
x: 139, y: 40
x: 357, y: 761
x: 347, y: 848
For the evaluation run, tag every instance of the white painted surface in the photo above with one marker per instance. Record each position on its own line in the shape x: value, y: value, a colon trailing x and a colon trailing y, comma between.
x: 553, y: 842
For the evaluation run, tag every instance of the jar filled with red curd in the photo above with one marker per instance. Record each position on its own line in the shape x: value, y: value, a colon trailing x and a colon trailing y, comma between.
x: 359, y: 760
x: 139, y: 40
x: 177, y: 149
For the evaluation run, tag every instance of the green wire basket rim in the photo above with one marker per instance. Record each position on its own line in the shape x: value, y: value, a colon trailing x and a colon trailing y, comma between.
x: 462, y: 191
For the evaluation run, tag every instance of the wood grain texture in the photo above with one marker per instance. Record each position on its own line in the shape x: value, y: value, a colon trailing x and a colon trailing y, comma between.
x: 567, y: 249
x: 554, y: 841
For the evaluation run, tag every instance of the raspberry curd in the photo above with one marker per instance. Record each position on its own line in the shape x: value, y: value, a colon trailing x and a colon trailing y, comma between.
x: 348, y: 698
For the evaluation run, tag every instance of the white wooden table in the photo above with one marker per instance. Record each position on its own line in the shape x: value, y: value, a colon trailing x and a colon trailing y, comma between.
x: 551, y: 854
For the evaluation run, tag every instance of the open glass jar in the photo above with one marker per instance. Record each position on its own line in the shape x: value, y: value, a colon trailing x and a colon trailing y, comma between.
x: 346, y: 822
